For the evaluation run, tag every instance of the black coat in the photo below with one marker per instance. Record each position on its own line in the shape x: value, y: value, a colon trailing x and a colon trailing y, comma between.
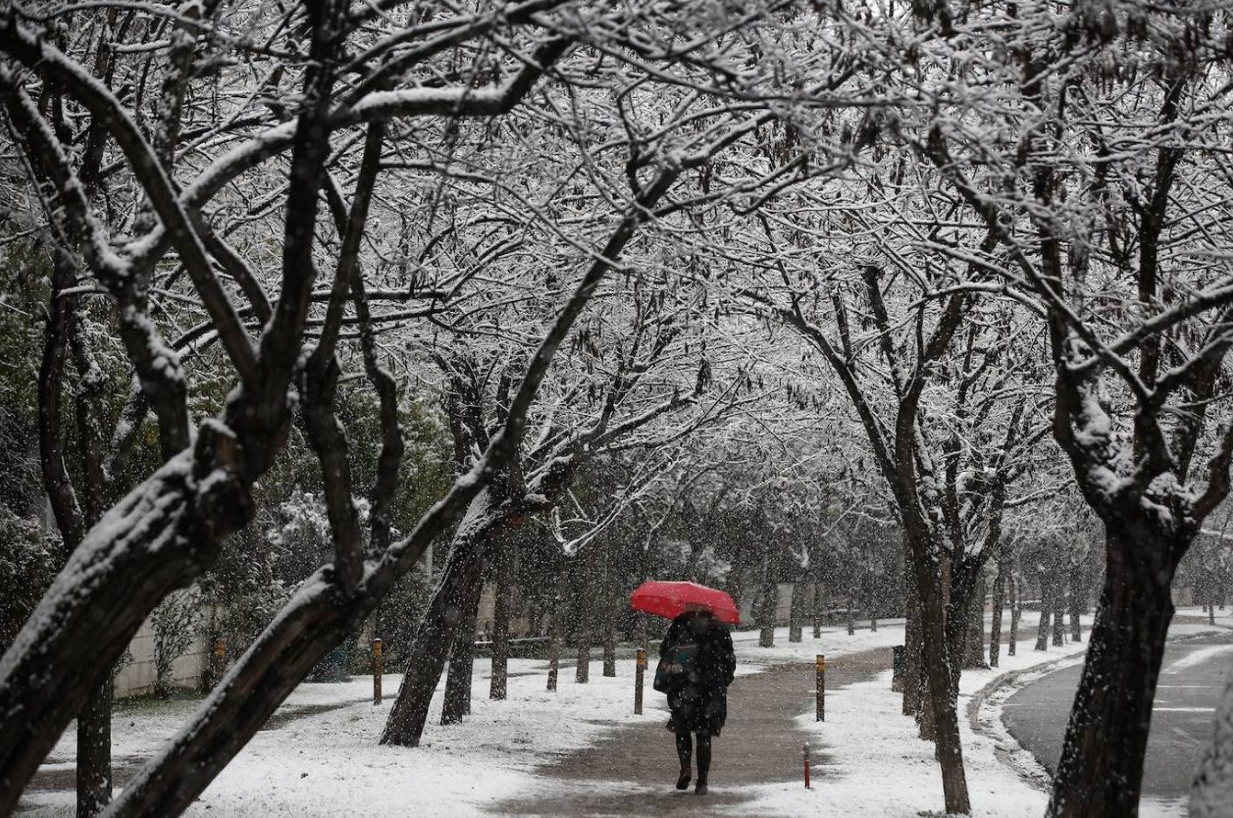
x: 701, y: 701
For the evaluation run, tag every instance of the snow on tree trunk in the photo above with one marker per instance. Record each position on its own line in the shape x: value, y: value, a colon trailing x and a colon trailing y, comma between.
x: 457, y: 701
x: 1059, y: 611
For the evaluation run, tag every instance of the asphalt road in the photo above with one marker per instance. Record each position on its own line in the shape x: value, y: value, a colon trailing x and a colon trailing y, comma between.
x: 1191, y: 681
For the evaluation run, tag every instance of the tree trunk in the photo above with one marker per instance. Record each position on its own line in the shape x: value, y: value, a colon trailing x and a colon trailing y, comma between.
x: 457, y: 702
x: 582, y: 670
x: 851, y: 617
x: 1101, y: 768
x: 1046, y: 607
x: 1078, y: 602
x: 816, y: 610
x: 94, y: 753
x: 609, y: 614
x: 974, y: 639
x: 942, y: 683
x: 796, y: 612
x: 1016, y: 610
x: 913, y: 687
x: 768, y: 602
x: 995, y: 627
x: 503, y: 589
x: 432, y: 644
x: 1059, y: 611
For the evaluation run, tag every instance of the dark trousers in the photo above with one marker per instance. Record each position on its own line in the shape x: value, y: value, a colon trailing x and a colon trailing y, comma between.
x: 684, y: 748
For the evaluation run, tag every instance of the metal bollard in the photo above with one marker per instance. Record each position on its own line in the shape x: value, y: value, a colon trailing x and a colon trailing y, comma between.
x: 378, y: 668
x: 639, y: 673
x: 821, y: 668
x: 807, y: 766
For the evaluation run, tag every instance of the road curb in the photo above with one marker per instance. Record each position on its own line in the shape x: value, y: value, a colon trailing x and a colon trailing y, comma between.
x: 990, y: 724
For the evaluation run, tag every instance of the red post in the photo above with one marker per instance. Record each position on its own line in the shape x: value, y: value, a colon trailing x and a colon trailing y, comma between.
x: 807, y: 766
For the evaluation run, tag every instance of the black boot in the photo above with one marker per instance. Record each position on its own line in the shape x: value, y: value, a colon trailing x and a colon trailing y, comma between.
x: 684, y: 752
x: 704, y: 762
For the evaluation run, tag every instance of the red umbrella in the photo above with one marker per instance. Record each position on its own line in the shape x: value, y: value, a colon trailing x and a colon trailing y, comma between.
x: 671, y: 599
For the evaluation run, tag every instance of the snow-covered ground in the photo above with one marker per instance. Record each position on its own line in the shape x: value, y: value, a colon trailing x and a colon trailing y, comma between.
x: 327, y: 761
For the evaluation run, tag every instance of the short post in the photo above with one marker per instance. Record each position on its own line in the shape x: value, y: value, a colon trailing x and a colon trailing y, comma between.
x: 378, y: 668
x: 821, y: 667
x: 807, y: 766
x: 639, y: 673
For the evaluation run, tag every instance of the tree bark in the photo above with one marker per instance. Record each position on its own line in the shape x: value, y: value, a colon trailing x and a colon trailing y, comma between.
x: 609, y: 612
x: 995, y: 627
x: 432, y: 644
x: 1046, y: 607
x: 768, y: 601
x: 1016, y: 611
x: 974, y: 639
x: 1078, y: 601
x: 943, y: 687
x: 1059, y: 611
x: 457, y: 701
x: 913, y: 688
x: 94, y: 753
x: 796, y: 612
x: 1101, y: 768
x: 816, y: 611
x: 502, y: 590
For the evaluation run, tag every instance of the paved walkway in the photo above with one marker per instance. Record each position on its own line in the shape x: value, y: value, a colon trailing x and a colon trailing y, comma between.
x: 632, y: 772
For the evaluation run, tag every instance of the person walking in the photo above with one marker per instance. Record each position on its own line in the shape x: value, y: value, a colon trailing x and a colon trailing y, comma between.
x: 697, y: 663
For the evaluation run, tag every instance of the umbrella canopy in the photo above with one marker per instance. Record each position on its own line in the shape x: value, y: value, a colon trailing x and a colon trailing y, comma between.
x: 671, y: 599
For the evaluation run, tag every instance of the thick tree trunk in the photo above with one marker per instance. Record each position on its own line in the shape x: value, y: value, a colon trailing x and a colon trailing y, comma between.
x: 503, y: 591
x: 942, y: 683
x: 432, y: 643
x: 1101, y: 769
x: 913, y: 687
x: 457, y: 701
x: 974, y: 639
x: 1016, y: 610
x: 94, y: 753
x: 995, y: 627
